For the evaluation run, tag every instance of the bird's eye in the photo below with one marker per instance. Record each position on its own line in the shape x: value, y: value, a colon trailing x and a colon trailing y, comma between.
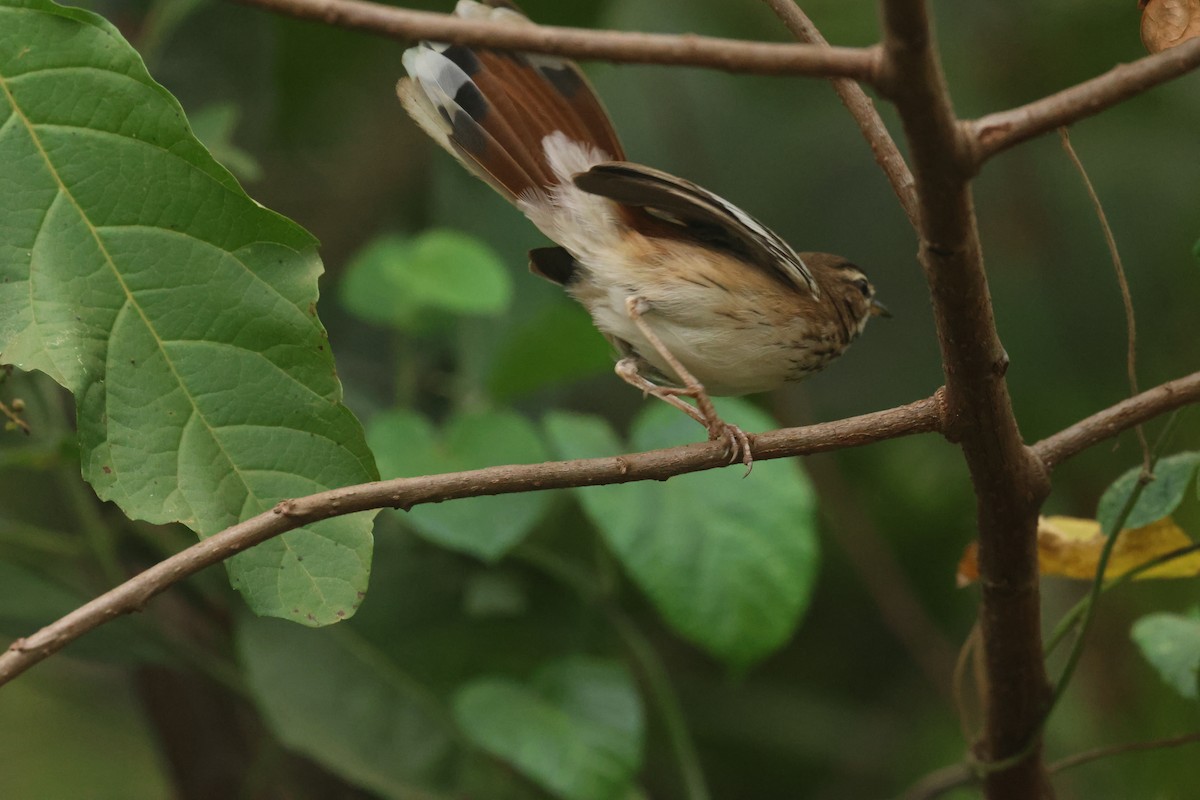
x: 864, y: 286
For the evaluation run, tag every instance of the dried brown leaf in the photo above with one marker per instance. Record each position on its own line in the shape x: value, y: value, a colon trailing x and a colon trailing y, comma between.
x: 1166, y: 23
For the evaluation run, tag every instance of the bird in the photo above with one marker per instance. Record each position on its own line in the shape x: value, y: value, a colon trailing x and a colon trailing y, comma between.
x: 697, y: 297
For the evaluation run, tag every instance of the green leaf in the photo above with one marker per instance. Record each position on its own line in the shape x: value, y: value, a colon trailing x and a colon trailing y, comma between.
x: 1172, y: 477
x: 576, y: 730
x: 1171, y: 643
x: 487, y: 527
x: 729, y: 562
x: 331, y: 696
x: 400, y: 282
x: 557, y: 346
x: 136, y: 273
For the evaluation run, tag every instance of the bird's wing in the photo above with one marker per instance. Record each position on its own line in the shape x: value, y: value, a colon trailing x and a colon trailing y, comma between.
x: 699, y: 213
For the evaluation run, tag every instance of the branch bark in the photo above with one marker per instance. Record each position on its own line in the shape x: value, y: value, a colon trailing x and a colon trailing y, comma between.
x: 1053, y: 450
x: 997, y: 132
x: 730, y: 55
x: 1010, y: 482
x: 923, y: 416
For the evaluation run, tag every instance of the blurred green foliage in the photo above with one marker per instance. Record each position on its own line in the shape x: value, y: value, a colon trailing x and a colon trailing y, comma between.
x: 404, y: 283
x: 1171, y: 642
x: 841, y: 708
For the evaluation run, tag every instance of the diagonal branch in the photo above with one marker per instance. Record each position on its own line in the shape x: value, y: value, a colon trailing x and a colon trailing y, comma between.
x: 923, y: 416
x: 731, y: 55
x: 1108, y: 751
x: 1002, y: 130
x: 887, y: 155
x: 1053, y: 450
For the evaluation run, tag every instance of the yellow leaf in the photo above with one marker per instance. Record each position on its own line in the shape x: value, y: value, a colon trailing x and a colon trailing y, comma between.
x: 1070, y: 547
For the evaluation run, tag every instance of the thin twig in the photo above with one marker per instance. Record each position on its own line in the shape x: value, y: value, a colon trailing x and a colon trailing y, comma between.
x: 1072, y: 617
x: 923, y: 416
x: 730, y: 55
x: 14, y: 417
x: 955, y: 776
x: 1053, y: 450
x: 1097, y: 588
x: 653, y: 672
x: 968, y: 658
x: 664, y: 695
x: 1096, y: 754
x: 882, y: 576
x: 887, y: 155
x: 997, y: 132
x: 1122, y: 282
x: 940, y: 781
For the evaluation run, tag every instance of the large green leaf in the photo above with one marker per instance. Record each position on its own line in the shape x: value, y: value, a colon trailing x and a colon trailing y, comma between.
x: 576, y: 730
x: 487, y: 527
x: 332, y: 696
x: 730, y: 562
x: 180, y: 313
x: 1171, y: 643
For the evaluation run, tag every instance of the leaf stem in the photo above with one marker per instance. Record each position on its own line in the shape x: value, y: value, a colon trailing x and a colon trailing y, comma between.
x: 1089, y: 613
x: 665, y: 698
x: 1072, y: 617
x: 651, y: 666
x: 1123, y: 285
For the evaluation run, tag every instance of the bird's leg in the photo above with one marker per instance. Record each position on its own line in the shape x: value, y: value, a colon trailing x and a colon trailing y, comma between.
x: 627, y: 370
x: 703, y: 412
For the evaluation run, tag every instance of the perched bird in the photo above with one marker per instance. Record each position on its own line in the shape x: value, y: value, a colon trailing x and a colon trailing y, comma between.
x: 696, y: 295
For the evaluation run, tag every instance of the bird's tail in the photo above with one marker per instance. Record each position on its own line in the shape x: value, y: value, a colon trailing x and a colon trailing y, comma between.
x: 496, y: 110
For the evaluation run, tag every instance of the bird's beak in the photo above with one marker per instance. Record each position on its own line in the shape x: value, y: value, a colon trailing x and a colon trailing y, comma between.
x: 878, y: 309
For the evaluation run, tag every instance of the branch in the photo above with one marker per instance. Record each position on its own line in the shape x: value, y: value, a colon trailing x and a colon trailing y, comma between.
x: 731, y: 55
x: 944, y: 780
x: 941, y: 781
x: 883, y: 147
x: 1053, y: 450
x: 1098, y: 753
x: 1010, y: 483
x: 1000, y: 131
x: 923, y: 416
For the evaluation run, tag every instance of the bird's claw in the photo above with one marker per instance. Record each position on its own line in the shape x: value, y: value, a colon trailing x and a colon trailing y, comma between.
x: 737, y: 442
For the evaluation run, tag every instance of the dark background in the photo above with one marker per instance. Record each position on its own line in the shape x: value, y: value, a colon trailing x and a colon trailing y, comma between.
x: 844, y: 710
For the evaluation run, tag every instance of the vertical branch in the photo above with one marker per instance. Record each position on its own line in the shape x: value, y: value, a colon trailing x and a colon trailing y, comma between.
x: 1010, y: 483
